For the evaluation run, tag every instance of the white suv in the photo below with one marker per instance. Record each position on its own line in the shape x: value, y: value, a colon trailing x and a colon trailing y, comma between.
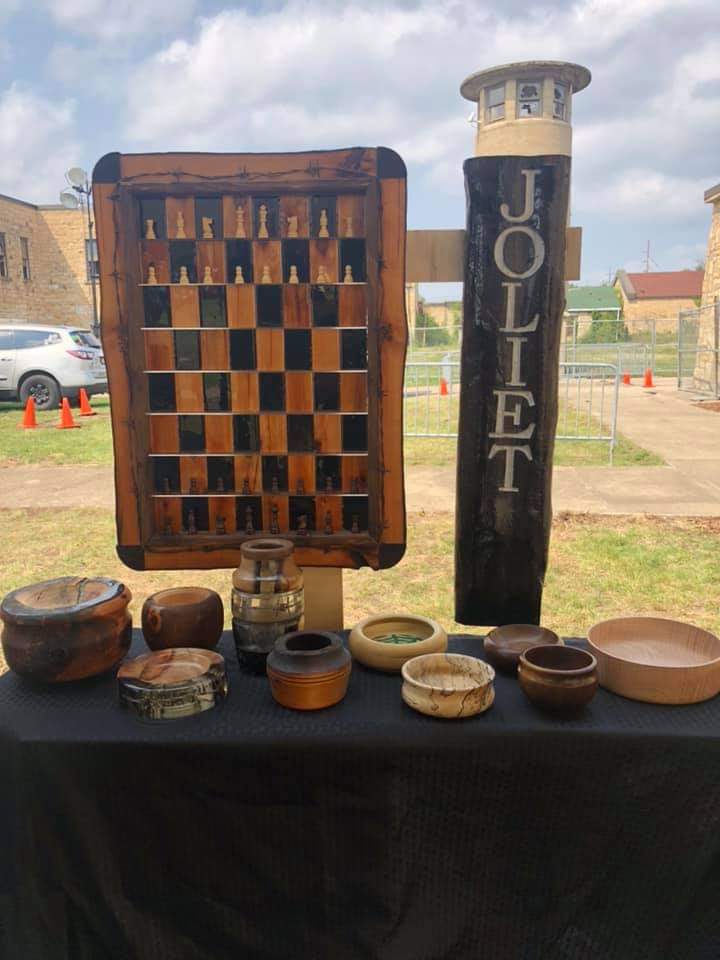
x: 48, y: 363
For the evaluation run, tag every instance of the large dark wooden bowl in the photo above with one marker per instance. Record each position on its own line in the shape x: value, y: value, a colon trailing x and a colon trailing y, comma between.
x: 183, y: 617
x: 66, y: 629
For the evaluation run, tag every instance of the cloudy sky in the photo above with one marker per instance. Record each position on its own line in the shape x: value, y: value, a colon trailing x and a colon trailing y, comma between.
x: 79, y: 78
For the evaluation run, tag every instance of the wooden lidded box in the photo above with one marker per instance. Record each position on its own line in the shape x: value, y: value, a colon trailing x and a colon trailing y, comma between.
x: 253, y: 323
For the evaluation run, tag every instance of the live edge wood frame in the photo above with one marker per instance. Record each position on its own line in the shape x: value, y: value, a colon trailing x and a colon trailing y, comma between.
x: 376, y: 179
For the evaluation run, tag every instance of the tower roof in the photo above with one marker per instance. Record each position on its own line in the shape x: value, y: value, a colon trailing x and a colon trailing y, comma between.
x: 578, y: 77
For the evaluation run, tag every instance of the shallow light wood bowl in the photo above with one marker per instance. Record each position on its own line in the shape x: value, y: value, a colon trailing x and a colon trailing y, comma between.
x: 449, y: 685
x: 368, y: 646
x: 656, y: 660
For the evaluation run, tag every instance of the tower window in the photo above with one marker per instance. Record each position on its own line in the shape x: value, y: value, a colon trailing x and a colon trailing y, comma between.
x: 495, y: 103
x: 25, y: 256
x: 529, y: 98
x: 560, y: 101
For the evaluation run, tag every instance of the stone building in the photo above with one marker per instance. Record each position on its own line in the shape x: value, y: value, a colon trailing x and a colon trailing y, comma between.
x: 657, y: 296
x: 707, y: 367
x: 44, y: 268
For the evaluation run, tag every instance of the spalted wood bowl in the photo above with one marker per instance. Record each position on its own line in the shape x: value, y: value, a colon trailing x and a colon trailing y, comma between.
x: 183, y: 617
x: 171, y: 684
x: 558, y: 678
x: 656, y: 660
x: 503, y: 645
x: 387, y: 641
x: 449, y: 685
x: 66, y: 629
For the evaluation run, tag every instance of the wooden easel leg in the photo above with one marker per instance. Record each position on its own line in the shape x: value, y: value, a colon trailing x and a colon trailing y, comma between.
x: 323, y: 598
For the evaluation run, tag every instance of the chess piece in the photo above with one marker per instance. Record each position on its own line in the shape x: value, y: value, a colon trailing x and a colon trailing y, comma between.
x: 328, y: 523
x: 220, y: 485
x: 323, y: 231
x: 150, y: 230
x: 348, y: 226
x: 274, y: 486
x: 180, y: 226
x: 354, y: 485
x: 266, y: 278
x: 322, y: 276
x: 166, y: 484
x: 192, y: 528
x: 329, y: 484
x: 239, y: 278
x: 167, y: 529
x: 184, y: 278
x: 302, y: 525
x: 208, y: 228
x: 348, y: 278
x: 193, y: 485
x: 249, y: 528
x: 246, y: 488
x: 151, y: 277
x: 292, y: 226
x: 293, y: 274
x: 239, y: 221
x: 355, y: 523
x: 207, y: 275
x: 220, y: 526
x: 262, y: 229
x: 300, y: 487
x: 274, y: 525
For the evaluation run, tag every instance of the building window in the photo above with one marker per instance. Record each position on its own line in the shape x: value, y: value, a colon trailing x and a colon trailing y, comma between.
x: 25, y: 255
x: 560, y: 101
x: 495, y: 103
x: 92, y: 267
x: 529, y: 99
x: 3, y: 258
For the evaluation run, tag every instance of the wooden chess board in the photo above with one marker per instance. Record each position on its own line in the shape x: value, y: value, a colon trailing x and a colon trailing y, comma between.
x: 253, y: 322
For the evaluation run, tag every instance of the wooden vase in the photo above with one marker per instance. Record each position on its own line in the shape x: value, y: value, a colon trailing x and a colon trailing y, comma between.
x: 183, y: 617
x: 309, y: 670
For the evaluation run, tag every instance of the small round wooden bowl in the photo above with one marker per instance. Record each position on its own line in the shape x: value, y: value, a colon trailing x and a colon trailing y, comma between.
x: 559, y: 678
x: 309, y: 670
x: 503, y: 645
x: 183, y: 617
x: 383, y: 642
x: 449, y: 685
x: 656, y: 660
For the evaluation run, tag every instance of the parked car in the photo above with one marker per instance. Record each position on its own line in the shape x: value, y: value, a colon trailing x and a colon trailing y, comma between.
x: 48, y: 363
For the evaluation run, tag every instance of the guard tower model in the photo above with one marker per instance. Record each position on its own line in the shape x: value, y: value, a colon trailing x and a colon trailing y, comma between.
x: 517, y: 190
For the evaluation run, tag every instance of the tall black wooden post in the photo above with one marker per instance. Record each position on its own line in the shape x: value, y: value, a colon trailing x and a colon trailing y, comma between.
x: 512, y: 313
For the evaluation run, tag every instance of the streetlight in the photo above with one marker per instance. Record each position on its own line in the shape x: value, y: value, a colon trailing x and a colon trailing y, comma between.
x: 72, y: 197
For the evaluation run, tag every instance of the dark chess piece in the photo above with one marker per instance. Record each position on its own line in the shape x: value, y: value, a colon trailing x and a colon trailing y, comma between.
x: 355, y: 523
x: 300, y: 487
x: 193, y: 486
x: 249, y: 528
x: 274, y: 485
x: 302, y: 525
x: 274, y: 525
x: 166, y: 484
x: 220, y: 526
x: 221, y: 485
x: 192, y: 528
x: 328, y: 523
x: 354, y: 485
x: 167, y: 529
x: 329, y: 484
x: 245, y: 487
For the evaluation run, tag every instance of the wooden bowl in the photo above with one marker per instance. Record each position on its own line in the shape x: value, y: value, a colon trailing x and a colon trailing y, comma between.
x: 503, y: 645
x: 171, y: 684
x: 183, y: 617
x: 309, y: 670
x: 656, y: 660
x: 386, y: 642
x: 559, y: 678
x: 449, y: 685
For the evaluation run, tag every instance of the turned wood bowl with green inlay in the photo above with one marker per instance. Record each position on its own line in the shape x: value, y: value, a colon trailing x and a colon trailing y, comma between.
x: 387, y: 641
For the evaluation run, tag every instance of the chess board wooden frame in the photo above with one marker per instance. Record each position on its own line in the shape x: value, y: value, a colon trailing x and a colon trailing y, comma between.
x: 374, y: 177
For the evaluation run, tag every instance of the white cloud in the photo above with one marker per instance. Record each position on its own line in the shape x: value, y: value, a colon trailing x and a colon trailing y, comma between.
x: 37, y: 144
x: 110, y: 19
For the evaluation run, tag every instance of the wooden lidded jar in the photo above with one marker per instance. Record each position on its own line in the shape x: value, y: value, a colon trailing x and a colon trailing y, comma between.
x: 268, y: 599
x: 66, y: 629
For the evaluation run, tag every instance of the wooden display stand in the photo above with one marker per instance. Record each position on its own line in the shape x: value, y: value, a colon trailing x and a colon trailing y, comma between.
x: 254, y: 333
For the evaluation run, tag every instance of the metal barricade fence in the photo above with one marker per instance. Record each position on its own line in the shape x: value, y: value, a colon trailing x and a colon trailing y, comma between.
x: 587, y: 394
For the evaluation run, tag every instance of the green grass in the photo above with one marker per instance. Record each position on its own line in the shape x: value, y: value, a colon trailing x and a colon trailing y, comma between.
x: 92, y: 443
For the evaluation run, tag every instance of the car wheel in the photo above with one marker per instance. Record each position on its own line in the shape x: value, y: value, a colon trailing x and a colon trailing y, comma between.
x: 43, y: 389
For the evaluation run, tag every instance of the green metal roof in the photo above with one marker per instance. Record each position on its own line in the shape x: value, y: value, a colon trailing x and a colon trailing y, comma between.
x: 589, y: 299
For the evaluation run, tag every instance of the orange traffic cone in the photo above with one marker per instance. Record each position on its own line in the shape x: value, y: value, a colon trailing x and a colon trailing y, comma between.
x: 29, y: 421
x: 66, y: 417
x: 626, y: 380
x: 647, y: 379
x: 85, y: 409
x: 443, y: 387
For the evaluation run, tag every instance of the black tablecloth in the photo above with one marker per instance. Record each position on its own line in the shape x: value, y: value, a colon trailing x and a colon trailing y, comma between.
x: 362, y: 831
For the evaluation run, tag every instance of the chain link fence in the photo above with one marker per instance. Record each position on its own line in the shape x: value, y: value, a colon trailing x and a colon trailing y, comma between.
x: 699, y: 350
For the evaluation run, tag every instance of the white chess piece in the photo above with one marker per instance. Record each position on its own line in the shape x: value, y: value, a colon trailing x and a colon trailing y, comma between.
x: 180, y: 226
x: 150, y: 229
x: 348, y: 278
x: 323, y: 231
x: 208, y: 228
x: 239, y: 278
x: 151, y: 277
x: 293, y: 275
x: 266, y: 278
x: 262, y: 229
x: 348, y: 226
x: 292, y: 226
x: 207, y: 275
x: 184, y: 278
x: 239, y: 221
x: 322, y: 276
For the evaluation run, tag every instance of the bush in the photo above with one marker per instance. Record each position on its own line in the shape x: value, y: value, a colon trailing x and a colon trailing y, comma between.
x: 605, y: 329
x: 429, y: 333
